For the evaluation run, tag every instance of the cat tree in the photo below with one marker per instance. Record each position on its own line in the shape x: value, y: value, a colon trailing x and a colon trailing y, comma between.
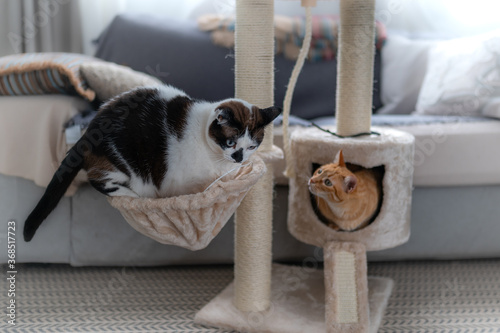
x: 302, y: 299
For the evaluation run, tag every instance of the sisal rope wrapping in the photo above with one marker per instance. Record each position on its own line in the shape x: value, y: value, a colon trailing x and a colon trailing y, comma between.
x: 345, y: 278
x: 346, y: 288
x: 253, y: 254
x: 355, y: 66
x: 254, y: 82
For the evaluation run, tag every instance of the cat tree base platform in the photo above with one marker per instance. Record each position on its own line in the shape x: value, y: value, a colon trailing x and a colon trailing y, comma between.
x: 297, y: 304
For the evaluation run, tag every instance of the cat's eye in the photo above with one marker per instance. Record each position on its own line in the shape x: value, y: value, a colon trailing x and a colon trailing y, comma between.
x: 320, y: 171
x: 252, y: 147
x: 328, y: 182
x: 230, y: 143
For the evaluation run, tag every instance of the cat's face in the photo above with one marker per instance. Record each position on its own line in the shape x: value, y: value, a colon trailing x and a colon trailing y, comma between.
x: 333, y: 182
x: 238, y: 128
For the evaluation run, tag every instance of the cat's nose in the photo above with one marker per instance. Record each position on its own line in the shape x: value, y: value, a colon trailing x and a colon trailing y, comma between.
x: 238, y: 155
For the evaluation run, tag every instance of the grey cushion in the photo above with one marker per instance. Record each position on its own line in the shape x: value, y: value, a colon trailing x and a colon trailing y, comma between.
x: 179, y: 54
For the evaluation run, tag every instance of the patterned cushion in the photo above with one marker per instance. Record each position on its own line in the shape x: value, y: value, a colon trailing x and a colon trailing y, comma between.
x: 44, y: 73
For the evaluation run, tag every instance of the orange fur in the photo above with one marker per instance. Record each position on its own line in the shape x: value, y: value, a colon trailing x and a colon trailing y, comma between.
x: 347, y: 200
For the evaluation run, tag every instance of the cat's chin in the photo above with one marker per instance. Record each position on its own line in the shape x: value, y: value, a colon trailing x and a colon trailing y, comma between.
x: 318, y: 194
x: 235, y: 162
x: 231, y: 162
x: 311, y: 189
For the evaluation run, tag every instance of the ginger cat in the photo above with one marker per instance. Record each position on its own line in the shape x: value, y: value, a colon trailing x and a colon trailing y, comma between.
x: 348, y: 200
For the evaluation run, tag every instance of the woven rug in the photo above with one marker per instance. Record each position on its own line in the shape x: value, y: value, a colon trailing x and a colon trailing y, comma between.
x: 441, y: 296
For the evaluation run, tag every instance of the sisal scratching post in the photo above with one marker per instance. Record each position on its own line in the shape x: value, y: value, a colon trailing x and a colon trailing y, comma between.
x: 346, y: 296
x: 254, y: 82
x: 346, y: 288
x: 245, y: 304
x: 354, y: 303
x: 355, y: 66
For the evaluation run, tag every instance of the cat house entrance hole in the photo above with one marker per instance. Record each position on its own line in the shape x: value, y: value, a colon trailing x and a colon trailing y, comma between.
x: 379, y: 174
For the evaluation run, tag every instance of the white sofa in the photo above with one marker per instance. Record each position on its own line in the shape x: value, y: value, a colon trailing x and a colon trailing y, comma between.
x: 455, y: 210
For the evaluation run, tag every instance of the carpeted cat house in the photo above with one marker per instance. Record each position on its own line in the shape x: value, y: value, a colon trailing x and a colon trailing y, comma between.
x: 340, y: 298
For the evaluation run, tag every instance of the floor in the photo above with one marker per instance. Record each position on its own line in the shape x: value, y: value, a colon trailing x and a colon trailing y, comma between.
x: 430, y: 296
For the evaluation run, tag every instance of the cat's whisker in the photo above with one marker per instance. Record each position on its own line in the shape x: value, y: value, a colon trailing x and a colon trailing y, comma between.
x: 304, y: 177
x: 223, y: 160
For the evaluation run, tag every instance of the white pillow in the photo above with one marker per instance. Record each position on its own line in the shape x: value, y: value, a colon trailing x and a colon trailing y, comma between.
x: 404, y: 64
x: 462, y: 76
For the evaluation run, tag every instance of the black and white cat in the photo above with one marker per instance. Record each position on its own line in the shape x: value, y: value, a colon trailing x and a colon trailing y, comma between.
x: 157, y: 142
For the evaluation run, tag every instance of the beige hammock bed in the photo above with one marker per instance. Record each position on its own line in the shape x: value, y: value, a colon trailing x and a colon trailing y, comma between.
x: 191, y: 221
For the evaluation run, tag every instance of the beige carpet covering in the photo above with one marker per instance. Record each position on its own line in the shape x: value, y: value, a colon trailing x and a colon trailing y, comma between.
x: 447, y: 296
x: 297, y: 305
x: 191, y: 221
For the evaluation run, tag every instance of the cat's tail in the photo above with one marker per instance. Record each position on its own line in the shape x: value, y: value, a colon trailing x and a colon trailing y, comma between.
x: 67, y: 171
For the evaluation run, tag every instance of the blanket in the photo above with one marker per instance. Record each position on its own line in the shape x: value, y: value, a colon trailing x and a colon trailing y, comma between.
x: 42, y: 96
x: 289, y: 34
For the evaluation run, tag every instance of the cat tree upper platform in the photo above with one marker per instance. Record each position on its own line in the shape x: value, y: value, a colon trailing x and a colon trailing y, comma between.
x: 392, y: 149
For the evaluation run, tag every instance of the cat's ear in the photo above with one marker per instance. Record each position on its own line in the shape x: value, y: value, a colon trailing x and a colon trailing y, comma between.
x: 222, y: 116
x: 350, y: 183
x: 268, y: 115
x: 339, y: 159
